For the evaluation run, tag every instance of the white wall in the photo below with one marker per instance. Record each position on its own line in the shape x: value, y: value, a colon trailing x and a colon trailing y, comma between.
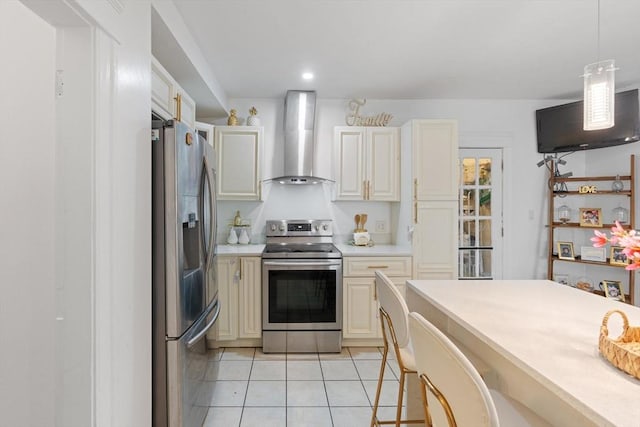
x: 27, y: 207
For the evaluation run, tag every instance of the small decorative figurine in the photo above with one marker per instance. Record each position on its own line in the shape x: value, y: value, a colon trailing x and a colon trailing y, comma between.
x: 237, y: 220
x: 253, y: 120
x: 233, y: 120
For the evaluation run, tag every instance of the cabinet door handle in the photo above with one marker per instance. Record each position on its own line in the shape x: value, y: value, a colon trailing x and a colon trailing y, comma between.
x: 178, y: 100
x: 415, y: 212
x: 368, y: 190
x: 377, y: 266
x: 415, y: 189
x: 364, y: 189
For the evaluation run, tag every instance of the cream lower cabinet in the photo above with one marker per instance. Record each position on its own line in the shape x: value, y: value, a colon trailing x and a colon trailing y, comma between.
x: 435, y: 247
x: 240, y: 296
x: 360, y: 310
x: 239, y: 150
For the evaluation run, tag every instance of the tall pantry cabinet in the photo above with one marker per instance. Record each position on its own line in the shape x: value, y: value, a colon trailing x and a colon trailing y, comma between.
x: 431, y: 218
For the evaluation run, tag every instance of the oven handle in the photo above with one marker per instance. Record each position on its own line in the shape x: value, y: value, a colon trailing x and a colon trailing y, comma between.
x: 305, y: 263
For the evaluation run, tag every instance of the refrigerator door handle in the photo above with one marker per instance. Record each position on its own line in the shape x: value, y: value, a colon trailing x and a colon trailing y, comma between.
x: 199, y: 335
x: 212, y: 213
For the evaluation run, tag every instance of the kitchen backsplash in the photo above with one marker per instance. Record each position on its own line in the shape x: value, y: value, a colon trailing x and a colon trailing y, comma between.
x: 303, y: 202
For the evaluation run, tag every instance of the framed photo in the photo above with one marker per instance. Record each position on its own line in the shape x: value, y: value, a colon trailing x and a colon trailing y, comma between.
x: 617, y: 257
x: 590, y: 217
x: 565, y: 251
x: 613, y: 289
x: 589, y: 253
x: 563, y: 279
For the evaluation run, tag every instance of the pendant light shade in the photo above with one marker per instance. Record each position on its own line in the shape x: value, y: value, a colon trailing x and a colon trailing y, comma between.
x: 599, y: 95
x: 599, y: 91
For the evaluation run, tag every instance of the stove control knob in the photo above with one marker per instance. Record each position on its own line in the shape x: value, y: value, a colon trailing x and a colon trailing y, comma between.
x: 273, y: 227
x: 317, y: 227
x: 325, y: 227
x: 281, y: 227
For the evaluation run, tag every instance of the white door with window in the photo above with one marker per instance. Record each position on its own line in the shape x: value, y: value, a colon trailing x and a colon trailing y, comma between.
x: 480, y: 224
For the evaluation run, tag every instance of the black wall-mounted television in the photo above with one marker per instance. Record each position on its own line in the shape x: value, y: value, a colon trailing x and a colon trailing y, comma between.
x: 560, y: 127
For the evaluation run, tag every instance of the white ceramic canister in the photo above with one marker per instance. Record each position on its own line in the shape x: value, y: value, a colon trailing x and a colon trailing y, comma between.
x: 244, y: 237
x: 233, y: 237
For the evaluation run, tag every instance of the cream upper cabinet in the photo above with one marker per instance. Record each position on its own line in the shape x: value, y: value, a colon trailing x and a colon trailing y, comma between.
x: 168, y: 99
x: 361, y: 318
x: 367, y: 161
x: 435, y: 159
x: 162, y: 91
x: 240, y: 296
x: 185, y: 108
x: 434, y: 205
x: 239, y: 162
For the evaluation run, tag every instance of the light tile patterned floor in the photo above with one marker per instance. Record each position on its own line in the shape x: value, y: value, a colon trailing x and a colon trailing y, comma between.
x: 251, y: 388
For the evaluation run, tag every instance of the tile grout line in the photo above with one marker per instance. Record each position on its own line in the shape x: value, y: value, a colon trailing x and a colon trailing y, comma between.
x: 246, y: 392
x: 326, y: 394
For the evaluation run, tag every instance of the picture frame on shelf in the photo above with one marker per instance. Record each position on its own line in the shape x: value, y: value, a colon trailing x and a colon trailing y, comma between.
x: 613, y: 289
x: 565, y: 251
x: 589, y: 253
x: 617, y: 257
x: 563, y: 279
x: 590, y: 217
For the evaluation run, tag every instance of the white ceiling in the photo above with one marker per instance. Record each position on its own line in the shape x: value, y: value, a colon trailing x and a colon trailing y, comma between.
x: 402, y: 49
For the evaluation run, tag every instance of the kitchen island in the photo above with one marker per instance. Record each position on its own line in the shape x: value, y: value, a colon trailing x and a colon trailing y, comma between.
x: 540, y: 340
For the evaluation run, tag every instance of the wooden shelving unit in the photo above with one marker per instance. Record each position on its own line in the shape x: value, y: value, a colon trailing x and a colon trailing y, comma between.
x: 629, y: 192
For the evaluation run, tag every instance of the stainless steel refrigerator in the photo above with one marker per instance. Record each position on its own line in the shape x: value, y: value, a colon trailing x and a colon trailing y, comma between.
x: 185, y: 293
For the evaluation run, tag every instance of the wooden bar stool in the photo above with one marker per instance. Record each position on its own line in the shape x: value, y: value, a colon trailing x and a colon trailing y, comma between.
x: 457, y: 396
x: 393, y: 319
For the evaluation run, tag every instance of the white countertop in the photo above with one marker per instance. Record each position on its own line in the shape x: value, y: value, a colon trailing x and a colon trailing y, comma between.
x: 551, y: 332
x: 377, y: 250
x: 240, y: 250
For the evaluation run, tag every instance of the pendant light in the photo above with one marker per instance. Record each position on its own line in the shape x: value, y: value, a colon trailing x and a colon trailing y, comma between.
x: 599, y: 91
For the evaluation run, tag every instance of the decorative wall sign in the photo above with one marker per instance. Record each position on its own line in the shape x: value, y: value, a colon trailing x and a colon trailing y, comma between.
x: 355, y: 119
x: 586, y: 189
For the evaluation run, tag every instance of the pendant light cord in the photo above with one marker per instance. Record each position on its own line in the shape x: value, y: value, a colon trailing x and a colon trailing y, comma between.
x: 598, y: 29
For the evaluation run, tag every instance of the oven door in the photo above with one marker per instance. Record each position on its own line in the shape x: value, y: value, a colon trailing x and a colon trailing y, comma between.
x: 301, y: 295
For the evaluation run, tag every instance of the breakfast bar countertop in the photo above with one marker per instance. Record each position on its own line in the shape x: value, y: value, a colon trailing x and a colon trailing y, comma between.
x: 538, y: 334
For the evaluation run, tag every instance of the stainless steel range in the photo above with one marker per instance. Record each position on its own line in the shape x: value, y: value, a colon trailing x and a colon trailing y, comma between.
x: 301, y: 288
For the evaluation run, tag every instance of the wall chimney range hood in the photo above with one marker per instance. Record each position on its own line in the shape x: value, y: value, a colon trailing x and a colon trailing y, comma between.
x: 299, y: 121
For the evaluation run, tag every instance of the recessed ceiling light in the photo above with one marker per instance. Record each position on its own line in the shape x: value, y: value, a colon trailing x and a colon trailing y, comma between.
x: 307, y: 76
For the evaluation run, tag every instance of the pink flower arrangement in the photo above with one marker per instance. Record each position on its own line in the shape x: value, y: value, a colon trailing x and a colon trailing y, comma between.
x: 627, y: 239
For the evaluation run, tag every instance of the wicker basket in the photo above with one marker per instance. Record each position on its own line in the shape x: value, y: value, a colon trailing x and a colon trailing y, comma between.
x: 624, y: 351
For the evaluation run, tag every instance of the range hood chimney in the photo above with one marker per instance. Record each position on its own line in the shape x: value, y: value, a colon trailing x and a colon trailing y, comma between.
x: 299, y: 120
